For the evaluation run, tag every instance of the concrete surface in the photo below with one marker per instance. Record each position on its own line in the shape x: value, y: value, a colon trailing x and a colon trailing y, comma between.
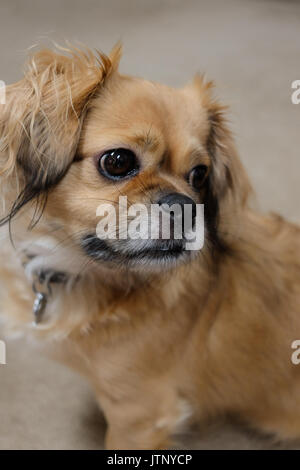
x: 252, y: 49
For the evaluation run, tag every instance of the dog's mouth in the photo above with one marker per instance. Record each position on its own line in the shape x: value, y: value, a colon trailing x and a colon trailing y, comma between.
x: 158, y: 250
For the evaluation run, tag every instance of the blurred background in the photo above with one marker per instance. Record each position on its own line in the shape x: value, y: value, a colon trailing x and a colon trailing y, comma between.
x: 251, y: 48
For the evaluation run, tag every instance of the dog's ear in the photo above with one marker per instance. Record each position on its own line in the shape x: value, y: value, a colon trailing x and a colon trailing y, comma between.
x: 228, y: 176
x: 228, y: 187
x: 41, y: 121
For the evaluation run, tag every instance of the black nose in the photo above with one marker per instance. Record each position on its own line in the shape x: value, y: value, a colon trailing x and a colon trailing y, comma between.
x: 181, y: 200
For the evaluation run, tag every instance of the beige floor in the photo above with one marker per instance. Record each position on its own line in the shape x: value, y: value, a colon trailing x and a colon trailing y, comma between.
x: 252, y: 49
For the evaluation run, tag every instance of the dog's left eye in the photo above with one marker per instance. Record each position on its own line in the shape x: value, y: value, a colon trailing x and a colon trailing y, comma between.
x: 118, y: 163
x: 197, y: 176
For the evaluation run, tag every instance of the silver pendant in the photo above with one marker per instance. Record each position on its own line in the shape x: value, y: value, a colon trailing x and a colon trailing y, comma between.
x: 43, y: 281
x: 39, y: 307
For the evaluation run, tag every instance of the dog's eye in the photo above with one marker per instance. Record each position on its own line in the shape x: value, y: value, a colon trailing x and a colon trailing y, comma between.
x: 118, y: 163
x: 197, y: 176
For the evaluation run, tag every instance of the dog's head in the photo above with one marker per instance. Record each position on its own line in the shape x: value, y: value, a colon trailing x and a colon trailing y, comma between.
x: 77, y: 136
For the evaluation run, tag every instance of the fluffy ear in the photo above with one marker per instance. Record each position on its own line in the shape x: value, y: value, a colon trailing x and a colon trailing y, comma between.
x: 228, y: 187
x: 228, y: 178
x: 41, y: 121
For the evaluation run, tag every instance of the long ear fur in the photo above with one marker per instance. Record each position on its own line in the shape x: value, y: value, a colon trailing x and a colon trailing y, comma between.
x: 228, y: 187
x: 41, y: 121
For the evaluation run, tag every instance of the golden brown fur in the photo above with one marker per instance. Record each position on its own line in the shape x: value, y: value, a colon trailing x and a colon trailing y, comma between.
x: 160, y: 346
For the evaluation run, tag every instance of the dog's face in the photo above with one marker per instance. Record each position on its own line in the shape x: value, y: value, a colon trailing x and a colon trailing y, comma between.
x: 95, y: 136
x: 143, y: 141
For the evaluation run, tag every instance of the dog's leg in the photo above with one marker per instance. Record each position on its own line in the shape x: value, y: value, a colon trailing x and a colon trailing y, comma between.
x: 144, y: 421
x: 133, y: 436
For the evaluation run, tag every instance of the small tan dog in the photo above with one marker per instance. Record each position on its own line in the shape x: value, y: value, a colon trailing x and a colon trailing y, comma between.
x: 164, y: 336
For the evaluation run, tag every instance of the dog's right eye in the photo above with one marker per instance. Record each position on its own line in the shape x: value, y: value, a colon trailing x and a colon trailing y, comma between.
x: 197, y: 176
x: 119, y: 163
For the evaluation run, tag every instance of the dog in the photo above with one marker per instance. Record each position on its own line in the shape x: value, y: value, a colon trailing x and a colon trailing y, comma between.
x: 165, y: 336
